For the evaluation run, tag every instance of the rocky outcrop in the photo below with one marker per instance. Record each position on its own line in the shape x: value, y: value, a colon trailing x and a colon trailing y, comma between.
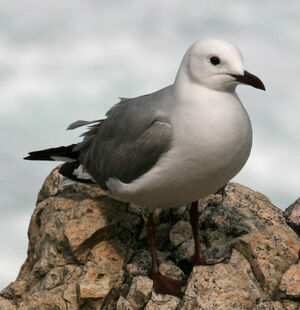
x: 87, y: 251
x: 292, y: 216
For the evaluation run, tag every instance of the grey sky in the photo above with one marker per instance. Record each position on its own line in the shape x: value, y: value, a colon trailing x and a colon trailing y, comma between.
x: 66, y: 60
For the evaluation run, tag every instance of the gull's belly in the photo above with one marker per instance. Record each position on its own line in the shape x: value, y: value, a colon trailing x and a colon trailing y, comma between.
x: 209, y: 148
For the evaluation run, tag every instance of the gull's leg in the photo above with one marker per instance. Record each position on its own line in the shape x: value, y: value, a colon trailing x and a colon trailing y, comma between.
x: 194, y: 219
x: 161, y: 284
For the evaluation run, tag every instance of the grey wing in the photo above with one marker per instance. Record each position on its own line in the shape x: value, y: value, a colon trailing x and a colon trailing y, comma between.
x: 128, y: 143
x: 130, y: 160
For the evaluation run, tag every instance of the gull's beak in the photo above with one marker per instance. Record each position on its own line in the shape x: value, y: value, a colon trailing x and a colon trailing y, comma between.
x: 249, y: 79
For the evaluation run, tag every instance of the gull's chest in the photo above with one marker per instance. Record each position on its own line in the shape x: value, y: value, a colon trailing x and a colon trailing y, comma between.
x: 215, y: 133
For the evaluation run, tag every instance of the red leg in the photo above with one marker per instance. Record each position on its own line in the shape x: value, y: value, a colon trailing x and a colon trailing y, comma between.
x: 161, y: 284
x: 194, y: 219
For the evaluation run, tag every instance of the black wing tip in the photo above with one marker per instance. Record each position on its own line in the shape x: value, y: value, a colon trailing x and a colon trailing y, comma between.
x: 32, y: 157
x: 50, y: 154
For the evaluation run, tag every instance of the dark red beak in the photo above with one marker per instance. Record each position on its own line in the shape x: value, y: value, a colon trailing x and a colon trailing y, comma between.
x: 249, y: 79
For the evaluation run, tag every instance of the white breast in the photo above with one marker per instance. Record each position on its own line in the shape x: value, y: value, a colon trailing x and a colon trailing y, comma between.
x: 211, y: 143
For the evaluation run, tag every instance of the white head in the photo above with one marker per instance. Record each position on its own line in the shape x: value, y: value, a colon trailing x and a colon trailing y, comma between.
x: 216, y: 64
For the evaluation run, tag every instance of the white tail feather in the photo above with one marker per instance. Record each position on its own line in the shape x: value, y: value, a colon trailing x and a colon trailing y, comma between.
x: 61, y: 158
x: 81, y: 173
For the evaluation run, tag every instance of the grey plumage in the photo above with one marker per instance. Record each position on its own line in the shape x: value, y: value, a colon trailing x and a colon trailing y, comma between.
x: 80, y: 123
x: 128, y: 142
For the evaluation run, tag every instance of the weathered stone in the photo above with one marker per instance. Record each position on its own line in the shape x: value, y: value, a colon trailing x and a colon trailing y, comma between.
x: 91, y: 304
x: 51, y: 185
x: 222, y: 286
x: 6, y: 305
x: 291, y: 305
x: 72, y: 273
x: 108, y: 256
x: 70, y: 297
x: 96, y: 221
x: 162, y: 302
x: 89, y: 252
x: 270, y: 305
x: 290, y: 282
x: 139, y: 292
x: 254, y: 205
x: 18, y: 288
x: 180, y: 232
x: 186, y: 251
x: 169, y: 269
x: 140, y: 263
x: 54, y: 278
x: 237, y: 212
x: 124, y: 304
x: 96, y: 284
x: 270, y: 252
x: 292, y: 216
x: 47, y: 300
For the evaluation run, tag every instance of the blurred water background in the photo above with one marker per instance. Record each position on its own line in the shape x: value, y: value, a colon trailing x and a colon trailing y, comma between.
x: 66, y: 60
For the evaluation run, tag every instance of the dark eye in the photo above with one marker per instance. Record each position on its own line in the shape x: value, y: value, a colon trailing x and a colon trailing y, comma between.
x: 214, y: 60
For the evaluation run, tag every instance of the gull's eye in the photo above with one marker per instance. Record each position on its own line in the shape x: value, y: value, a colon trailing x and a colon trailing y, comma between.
x: 215, y: 60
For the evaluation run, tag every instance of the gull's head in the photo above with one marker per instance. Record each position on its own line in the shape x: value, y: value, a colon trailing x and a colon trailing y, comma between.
x: 218, y: 65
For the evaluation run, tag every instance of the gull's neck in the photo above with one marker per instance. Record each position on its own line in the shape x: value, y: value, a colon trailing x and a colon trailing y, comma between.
x: 182, y: 76
x: 185, y: 88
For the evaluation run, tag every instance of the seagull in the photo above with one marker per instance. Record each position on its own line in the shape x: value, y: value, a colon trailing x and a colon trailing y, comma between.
x: 171, y: 147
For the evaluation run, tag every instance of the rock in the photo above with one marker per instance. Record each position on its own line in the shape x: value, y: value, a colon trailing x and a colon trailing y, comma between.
x: 94, y: 221
x: 140, y: 263
x: 104, y: 269
x: 140, y: 291
x: 185, y: 252
x: 6, y: 305
x: 53, y: 278
x: 70, y: 297
x: 222, y: 286
x: 290, y: 282
x: 124, y: 304
x: 270, y: 305
x: 180, y: 232
x: 94, y: 284
x: 270, y: 252
x: 162, y: 302
x: 292, y: 216
x: 291, y: 305
x: 87, y: 251
x: 48, y: 300
x: 108, y: 256
x: 169, y: 269
x: 18, y: 288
